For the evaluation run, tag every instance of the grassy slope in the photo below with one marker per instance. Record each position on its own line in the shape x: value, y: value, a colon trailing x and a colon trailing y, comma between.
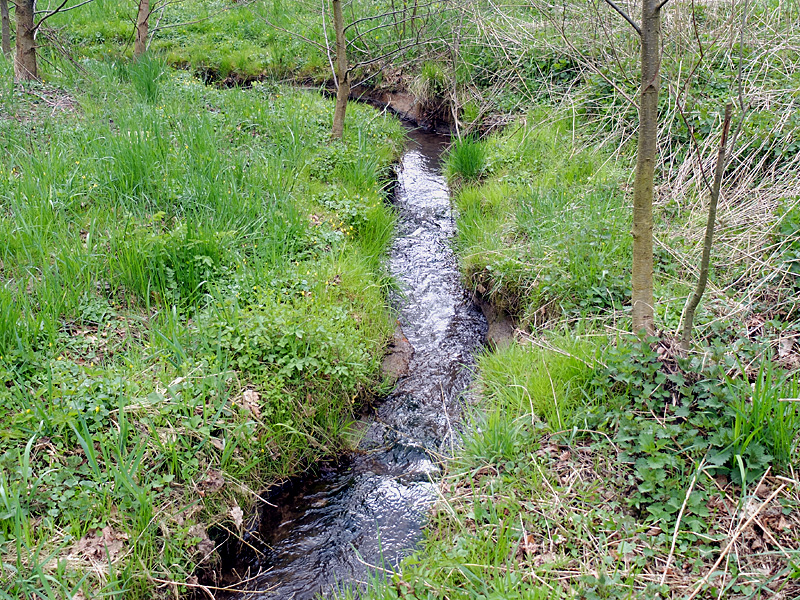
x: 239, y: 41
x: 192, y: 304
x: 219, y: 39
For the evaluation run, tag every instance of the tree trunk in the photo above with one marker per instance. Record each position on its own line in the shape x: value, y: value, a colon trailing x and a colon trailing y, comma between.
x: 343, y: 72
x: 6, y: 28
x: 694, y: 299
x: 142, y: 24
x: 25, y: 68
x: 642, y: 271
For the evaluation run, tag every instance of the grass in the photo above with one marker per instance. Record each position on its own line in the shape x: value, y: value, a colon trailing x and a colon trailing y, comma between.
x: 465, y: 160
x: 192, y: 304
x: 544, y: 236
x: 216, y: 42
x: 196, y: 316
x: 256, y: 40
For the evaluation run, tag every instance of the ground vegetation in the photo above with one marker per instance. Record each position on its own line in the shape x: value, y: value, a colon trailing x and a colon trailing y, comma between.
x: 192, y: 308
x: 193, y: 302
x: 600, y: 465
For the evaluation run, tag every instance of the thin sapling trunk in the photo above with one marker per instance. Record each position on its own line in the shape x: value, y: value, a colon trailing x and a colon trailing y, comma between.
x: 6, y: 28
x: 642, y: 304
x: 694, y: 300
x: 642, y: 268
x: 343, y: 72
x: 25, y: 66
x: 142, y: 24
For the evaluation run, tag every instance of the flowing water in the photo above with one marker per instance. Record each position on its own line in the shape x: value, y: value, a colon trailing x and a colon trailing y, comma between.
x: 368, y: 510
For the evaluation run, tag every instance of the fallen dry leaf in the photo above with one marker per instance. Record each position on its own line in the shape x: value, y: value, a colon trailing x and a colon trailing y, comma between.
x: 100, y: 545
x: 238, y: 517
x: 213, y: 483
x: 204, y: 546
x: 527, y: 546
x: 250, y: 400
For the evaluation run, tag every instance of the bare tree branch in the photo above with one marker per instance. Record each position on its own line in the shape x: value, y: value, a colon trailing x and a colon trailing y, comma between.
x: 386, y: 14
x: 292, y: 33
x: 624, y: 15
x: 328, y: 47
x: 60, y: 9
x: 243, y: 4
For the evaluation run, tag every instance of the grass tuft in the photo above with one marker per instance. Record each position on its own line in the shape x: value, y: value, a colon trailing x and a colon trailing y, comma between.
x: 466, y: 160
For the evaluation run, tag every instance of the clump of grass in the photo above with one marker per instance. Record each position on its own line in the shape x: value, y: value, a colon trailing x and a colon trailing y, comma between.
x: 767, y: 419
x: 466, y: 160
x: 544, y: 384
x: 146, y: 74
x: 430, y: 84
x: 544, y: 238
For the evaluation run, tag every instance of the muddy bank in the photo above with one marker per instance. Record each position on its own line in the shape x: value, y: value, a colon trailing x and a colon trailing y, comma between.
x: 432, y: 116
x: 500, y: 326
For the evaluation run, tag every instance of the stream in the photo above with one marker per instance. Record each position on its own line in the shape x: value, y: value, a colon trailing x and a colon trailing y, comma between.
x: 335, y: 527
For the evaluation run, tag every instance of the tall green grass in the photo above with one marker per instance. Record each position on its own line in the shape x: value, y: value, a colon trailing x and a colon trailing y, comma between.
x: 545, y: 236
x: 542, y: 384
x: 164, y: 249
x: 766, y: 414
x: 466, y: 159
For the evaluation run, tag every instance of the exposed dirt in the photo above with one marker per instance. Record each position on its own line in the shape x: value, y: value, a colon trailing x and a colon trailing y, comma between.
x: 501, y: 326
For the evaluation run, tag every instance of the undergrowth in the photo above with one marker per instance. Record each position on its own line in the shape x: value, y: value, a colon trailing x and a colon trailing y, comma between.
x: 603, y: 470
x: 601, y: 465
x: 192, y: 305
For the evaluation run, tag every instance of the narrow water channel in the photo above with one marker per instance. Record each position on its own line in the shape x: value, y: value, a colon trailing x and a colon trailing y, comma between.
x: 333, y: 528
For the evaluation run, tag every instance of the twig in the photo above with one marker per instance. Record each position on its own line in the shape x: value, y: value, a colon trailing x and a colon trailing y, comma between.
x: 625, y: 16
x: 206, y: 588
x: 678, y: 522
x: 451, y: 435
x: 735, y: 537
